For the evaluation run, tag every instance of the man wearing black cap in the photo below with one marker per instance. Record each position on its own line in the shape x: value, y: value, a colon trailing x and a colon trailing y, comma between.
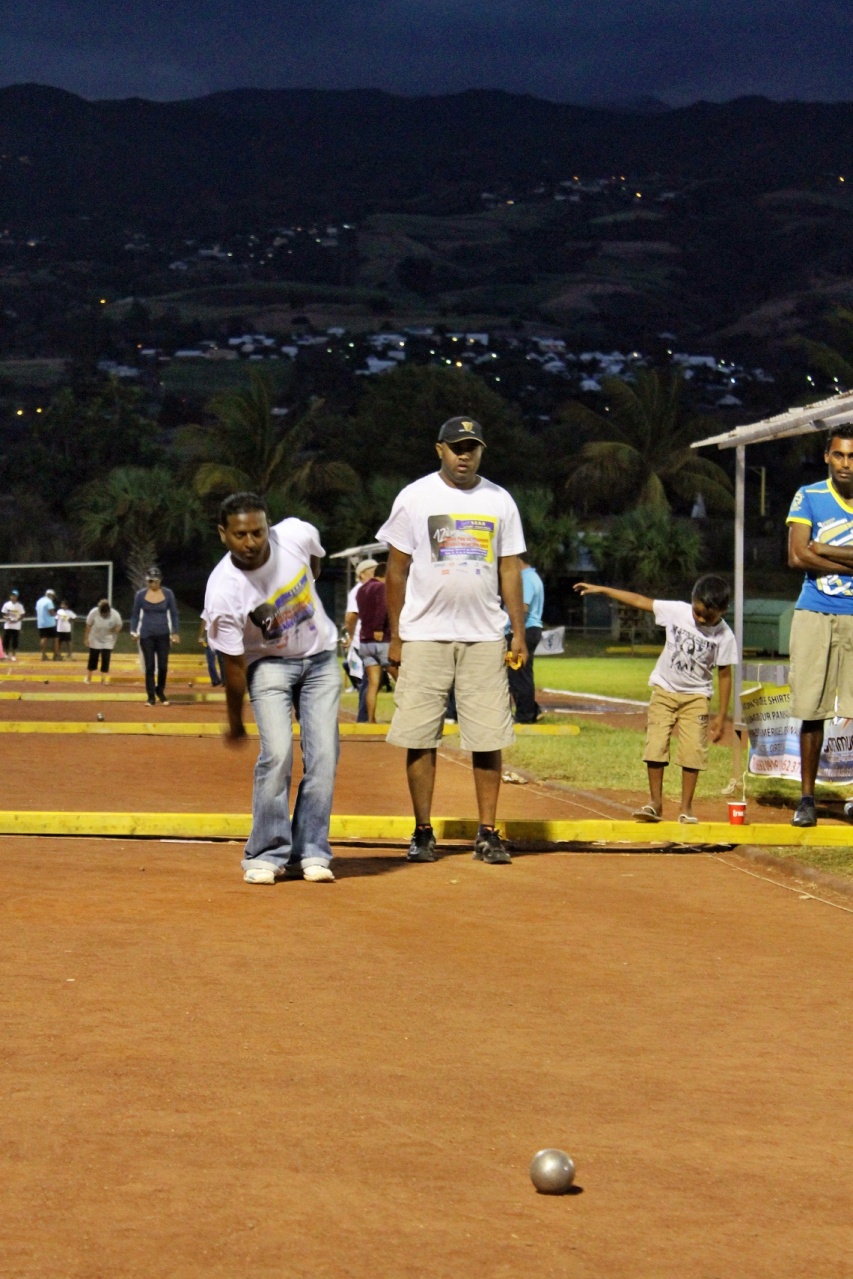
x: 454, y: 540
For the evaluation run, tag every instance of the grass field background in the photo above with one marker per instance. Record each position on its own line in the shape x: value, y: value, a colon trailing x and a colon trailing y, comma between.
x: 602, y: 757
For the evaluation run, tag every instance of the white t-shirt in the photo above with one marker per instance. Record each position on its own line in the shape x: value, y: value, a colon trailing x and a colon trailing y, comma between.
x: 103, y: 631
x: 455, y: 538
x: 354, y: 662
x: 12, y: 612
x: 274, y: 610
x: 691, y: 652
x: 64, y: 618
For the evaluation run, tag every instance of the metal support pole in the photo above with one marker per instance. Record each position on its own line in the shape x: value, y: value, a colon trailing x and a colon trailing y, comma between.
x: 740, y: 503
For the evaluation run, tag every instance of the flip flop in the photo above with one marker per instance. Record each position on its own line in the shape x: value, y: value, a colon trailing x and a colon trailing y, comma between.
x: 646, y: 814
x: 687, y: 819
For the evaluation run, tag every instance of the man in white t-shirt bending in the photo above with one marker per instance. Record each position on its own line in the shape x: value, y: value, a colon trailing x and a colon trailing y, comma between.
x: 697, y: 641
x: 454, y: 539
x: 277, y: 643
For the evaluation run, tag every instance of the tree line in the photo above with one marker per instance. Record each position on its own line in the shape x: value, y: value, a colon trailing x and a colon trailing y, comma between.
x: 97, y: 474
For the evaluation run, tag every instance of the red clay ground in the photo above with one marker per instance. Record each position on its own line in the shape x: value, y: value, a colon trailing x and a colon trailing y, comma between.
x: 154, y: 769
x: 202, y: 1080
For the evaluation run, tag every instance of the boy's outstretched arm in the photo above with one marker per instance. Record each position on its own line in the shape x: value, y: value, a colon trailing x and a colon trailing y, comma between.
x: 622, y: 597
x: 724, y: 687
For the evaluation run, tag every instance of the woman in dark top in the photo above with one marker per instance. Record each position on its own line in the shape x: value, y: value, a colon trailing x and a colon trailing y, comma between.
x: 154, y: 622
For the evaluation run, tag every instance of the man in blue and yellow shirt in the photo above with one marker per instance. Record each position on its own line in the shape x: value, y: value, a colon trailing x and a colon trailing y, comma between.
x: 820, y: 541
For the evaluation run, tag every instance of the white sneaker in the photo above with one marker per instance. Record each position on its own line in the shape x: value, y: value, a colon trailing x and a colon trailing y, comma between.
x: 318, y: 875
x: 262, y: 873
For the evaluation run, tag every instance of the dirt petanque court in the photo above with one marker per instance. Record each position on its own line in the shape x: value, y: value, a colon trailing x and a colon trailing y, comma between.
x: 205, y: 1078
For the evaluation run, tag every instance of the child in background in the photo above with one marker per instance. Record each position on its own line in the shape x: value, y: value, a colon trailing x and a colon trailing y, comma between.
x: 64, y: 620
x: 12, y: 613
x: 697, y: 640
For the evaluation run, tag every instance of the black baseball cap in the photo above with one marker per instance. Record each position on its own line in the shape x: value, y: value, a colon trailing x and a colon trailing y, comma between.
x: 461, y: 428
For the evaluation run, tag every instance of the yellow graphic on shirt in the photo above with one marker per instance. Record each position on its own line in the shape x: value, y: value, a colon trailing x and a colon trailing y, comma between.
x: 835, y: 532
x: 287, y: 608
x: 462, y: 539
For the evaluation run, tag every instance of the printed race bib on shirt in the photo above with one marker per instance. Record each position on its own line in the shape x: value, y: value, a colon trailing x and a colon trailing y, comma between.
x: 462, y: 539
x: 288, y: 607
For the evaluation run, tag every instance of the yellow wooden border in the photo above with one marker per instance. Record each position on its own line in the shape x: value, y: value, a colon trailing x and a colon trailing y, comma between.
x: 86, y: 696
x: 127, y: 729
x: 204, y: 826
x: 176, y: 728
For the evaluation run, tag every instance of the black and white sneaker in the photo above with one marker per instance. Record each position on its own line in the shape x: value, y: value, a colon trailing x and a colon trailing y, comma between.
x: 422, y: 845
x: 489, y: 847
x: 805, y: 814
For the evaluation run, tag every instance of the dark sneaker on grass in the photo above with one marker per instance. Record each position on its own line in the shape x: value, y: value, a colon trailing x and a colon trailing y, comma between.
x: 805, y: 814
x: 422, y: 846
x: 489, y: 847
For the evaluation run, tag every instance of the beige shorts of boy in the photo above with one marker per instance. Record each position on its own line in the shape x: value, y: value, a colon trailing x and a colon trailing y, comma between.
x: 428, y: 670
x: 690, y: 712
x: 821, y: 665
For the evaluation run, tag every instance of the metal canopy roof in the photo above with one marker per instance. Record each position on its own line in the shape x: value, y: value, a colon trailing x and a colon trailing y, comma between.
x: 356, y: 553
x: 822, y: 415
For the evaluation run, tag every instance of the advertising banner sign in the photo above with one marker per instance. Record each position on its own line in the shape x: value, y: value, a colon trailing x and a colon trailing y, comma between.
x: 774, y: 738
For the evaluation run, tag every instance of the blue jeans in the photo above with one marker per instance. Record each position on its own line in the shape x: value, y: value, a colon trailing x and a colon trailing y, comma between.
x: 155, y: 653
x: 313, y: 686
x: 214, y: 665
x: 361, y: 713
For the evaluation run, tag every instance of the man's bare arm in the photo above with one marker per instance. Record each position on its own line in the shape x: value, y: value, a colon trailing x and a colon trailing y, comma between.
x: 512, y: 594
x: 803, y: 553
x: 724, y: 684
x: 838, y: 554
x: 235, y: 693
x: 631, y: 598
x: 395, y: 596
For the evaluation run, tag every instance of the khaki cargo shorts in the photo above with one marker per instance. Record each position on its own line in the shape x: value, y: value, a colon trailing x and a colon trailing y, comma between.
x: 690, y: 712
x: 821, y: 665
x: 428, y: 670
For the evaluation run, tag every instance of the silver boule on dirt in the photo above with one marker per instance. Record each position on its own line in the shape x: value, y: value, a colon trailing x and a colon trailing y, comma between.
x: 552, y: 1172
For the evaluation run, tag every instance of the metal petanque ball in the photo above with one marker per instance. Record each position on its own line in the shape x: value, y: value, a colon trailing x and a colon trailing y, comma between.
x: 100, y: 718
x: 552, y: 1172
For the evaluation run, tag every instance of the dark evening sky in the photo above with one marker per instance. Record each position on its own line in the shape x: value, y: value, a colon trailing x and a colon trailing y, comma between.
x: 566, y: 50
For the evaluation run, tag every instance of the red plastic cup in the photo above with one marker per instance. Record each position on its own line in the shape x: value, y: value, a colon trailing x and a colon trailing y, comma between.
x: 737, y: 812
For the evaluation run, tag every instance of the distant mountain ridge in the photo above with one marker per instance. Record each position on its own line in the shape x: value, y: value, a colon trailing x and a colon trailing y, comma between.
x: 237, y: 156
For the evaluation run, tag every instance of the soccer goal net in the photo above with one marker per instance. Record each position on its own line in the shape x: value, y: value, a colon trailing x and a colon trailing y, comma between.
x: 81, y: 582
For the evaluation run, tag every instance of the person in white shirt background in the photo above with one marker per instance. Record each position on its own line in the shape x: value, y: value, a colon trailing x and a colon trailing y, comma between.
x: 65, y: 618
x: 12, y: 612
x: 103, y: 624
x: 364, y: 571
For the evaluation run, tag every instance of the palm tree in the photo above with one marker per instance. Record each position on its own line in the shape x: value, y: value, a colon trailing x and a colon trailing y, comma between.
x: 638, y: 452
x: 358, y: 515
x: 249, y: 448
x: 648, y: 551
x: 551, y: 536
x: 136, y: 512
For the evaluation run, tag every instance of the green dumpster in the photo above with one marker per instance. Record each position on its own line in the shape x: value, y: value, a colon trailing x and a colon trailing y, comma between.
x: 766, y: 625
